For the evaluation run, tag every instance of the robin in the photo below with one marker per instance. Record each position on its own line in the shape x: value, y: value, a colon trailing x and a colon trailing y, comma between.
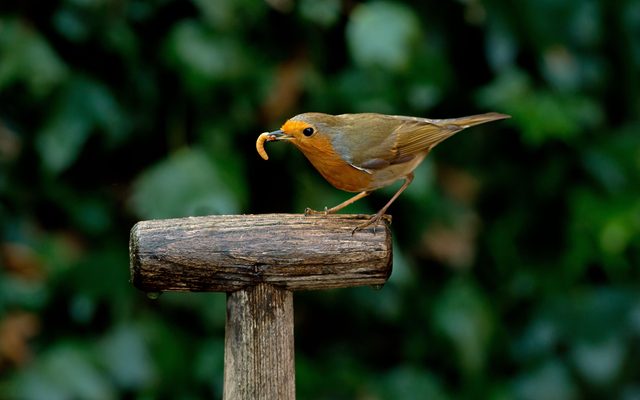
x: 365, y: 152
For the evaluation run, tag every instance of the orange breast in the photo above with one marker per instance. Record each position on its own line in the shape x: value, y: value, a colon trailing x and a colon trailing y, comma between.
x: 335, y: 170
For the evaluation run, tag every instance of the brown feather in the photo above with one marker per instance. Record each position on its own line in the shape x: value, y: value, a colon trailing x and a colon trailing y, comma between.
x: 418, y: 135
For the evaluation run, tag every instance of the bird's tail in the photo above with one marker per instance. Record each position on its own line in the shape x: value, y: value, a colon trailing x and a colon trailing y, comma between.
x: 466, y: 122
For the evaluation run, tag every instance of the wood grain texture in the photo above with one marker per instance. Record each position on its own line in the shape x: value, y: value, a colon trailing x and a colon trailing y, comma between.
x: 231, y: 252
x: 259, y: 348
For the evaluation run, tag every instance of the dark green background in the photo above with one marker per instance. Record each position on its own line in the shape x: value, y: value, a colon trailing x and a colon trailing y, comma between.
x: 517, y: 247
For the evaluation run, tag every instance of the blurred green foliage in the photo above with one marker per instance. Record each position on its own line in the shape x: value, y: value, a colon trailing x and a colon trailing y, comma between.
x: 517, y: 247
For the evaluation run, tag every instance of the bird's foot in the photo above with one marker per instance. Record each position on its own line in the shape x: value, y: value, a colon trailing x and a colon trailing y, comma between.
x: 372, y: 221
x: 308, y: 211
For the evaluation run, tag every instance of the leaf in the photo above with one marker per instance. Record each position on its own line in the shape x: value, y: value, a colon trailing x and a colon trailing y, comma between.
x: 324, y: 13
x: 501, y: 46
x: 62, y: 139
x: 382, y: 34
x: 551, y: 381
x: 201, y: 56
x: 83, y: 106
x: 540, y: 114
x: 538, y: 340
x: 62, y: 373
x: 462, y: 315
x: 126, y: 356
x: 27, y: 57
x: 408, y: 383
x: 71, y: 25
x: 185, y: 184
x: 599, y: 362
x: 231, y: 15
x: 561, y: 68
x: 208, y: 365
x: 15, y: 291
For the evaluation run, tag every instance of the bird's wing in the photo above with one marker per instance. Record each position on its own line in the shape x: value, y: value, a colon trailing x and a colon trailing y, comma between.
x: 418, y: 135
x: 401, y: 142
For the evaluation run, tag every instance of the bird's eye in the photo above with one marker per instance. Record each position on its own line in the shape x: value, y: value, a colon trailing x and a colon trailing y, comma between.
x: 307, y: 131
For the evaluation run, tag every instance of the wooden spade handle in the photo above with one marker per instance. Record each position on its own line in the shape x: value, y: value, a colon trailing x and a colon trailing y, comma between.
x: 230, y: 252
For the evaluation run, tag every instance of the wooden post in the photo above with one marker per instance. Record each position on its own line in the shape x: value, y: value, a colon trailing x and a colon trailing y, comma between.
x: 259, y: 355
x: 258, y: 260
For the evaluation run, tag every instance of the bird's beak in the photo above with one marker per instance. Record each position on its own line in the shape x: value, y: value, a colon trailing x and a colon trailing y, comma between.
x: 280, y: 135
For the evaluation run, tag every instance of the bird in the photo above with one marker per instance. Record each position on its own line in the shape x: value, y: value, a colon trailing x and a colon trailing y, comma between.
x: 363, y: 152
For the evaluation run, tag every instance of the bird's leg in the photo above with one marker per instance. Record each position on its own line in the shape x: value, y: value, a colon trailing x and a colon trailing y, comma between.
x: 340, y: 206
x: 375, y: 218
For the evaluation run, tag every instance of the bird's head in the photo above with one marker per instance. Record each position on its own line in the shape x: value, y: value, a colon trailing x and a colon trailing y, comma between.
x: 308, y: 132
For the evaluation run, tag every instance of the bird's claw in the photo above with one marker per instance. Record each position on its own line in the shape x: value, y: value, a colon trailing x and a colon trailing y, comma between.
x: 364, y: 225
x: 371, y: 221
x: 308, y: 211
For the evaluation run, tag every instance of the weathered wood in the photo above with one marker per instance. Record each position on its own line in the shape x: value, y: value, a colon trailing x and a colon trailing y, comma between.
x: 258, y: 260
x: 231, y: 252
x: 259, y: 349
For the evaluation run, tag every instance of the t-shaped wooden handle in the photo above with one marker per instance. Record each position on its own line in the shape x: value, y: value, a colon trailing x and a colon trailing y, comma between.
x: 259, y: 260
x: 230, y: 252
